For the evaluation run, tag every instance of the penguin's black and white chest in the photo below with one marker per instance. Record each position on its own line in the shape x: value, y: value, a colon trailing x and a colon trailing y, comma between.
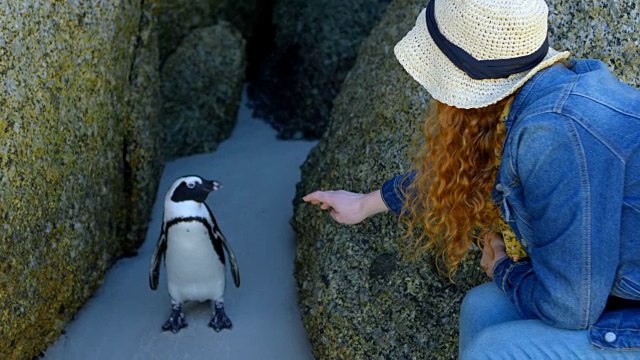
x: 194, y: 268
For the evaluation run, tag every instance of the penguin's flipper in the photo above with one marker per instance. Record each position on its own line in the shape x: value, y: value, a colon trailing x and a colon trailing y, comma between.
x: 156, y: 259
x: 235, y: 270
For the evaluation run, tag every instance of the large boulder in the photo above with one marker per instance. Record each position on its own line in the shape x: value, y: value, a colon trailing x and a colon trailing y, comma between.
x: 315, y: 46
x: 201, y: 86
x: 360, y: 296
x: 78, y: 157
x: 203, y: 60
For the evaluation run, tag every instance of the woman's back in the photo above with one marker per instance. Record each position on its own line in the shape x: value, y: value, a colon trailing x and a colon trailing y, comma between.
x: 573, y: 153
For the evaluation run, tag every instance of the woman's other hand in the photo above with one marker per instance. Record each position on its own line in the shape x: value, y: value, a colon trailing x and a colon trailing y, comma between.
x: 347, y: 207
x: 492, y: 251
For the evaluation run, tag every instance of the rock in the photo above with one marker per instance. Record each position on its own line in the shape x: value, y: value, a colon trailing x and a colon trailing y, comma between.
x: 78, y: 157
x: 179, y: 27
x: 604, y: 30
x: 316, y: 45
x: 144, y: 135
x: 176, y: 19
x: 360, y: 297
x: 201, y: 86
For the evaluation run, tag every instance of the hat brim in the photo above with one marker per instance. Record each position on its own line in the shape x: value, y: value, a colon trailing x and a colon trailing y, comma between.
x: 422, y: 59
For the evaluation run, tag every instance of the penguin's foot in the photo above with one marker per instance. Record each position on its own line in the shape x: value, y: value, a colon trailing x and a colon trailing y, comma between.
x: 220, y: 320
x: 176, y: 320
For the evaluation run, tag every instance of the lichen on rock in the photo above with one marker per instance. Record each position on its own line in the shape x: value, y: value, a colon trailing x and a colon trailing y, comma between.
x: 65, y: 72
x: 142, y: 151
x: 604, y: 30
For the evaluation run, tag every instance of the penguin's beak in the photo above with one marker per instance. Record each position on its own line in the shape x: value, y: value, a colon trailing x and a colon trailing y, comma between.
x: 211, y: 185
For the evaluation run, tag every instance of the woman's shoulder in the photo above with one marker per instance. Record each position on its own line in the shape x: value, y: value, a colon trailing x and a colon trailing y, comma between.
x: 584, y: 98
x: 576, y: 88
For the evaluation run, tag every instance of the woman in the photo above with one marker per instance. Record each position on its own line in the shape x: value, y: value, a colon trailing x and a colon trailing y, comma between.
x: 527, y: 148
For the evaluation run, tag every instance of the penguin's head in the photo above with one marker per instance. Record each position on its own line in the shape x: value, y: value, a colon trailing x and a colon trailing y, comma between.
x: 191, y: 188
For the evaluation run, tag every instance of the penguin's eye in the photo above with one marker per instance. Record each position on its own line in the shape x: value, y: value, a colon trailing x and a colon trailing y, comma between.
x: 190, y: 185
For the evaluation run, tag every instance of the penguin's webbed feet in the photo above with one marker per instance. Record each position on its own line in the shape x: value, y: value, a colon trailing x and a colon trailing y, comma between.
x: 220, y: 320
x: 176, y: 320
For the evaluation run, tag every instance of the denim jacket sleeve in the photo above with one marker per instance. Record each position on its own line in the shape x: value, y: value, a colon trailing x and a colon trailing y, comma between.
x: 617, y: 329
x: 393, y: 191
x: 572, y: 202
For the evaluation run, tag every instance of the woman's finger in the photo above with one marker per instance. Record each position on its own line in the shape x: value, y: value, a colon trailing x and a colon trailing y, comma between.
x: 318, y: 197
x: 314, y: 196
x: 325, y: 206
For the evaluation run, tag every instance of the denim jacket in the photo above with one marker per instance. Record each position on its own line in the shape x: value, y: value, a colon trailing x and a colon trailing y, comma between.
x: 569, y: 187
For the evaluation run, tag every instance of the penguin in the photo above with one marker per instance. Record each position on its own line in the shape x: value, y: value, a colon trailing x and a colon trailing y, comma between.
x: 191, y: 244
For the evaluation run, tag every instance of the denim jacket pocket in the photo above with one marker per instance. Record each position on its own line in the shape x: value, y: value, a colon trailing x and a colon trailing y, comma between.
x: 516, y: 206
x: 627, y: 288
x: 506, y: 199
x: 617, y: 330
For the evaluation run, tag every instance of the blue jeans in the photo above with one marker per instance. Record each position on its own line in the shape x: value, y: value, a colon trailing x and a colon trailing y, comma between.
x: 490, y: 328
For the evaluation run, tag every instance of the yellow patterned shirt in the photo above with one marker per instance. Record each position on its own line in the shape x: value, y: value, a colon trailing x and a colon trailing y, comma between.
x: 514, y: 248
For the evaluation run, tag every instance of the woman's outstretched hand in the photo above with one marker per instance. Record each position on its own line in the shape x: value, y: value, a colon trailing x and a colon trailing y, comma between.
x: 494, y: 249
x: 347, y: 207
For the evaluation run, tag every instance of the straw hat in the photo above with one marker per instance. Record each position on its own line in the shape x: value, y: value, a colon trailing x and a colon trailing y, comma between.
x: 489, y: 39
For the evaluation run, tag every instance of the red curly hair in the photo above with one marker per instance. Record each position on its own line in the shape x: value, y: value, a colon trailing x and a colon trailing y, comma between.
x: 447, y: 203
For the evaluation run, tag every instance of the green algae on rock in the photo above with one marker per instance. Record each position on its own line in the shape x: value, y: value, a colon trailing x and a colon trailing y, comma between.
x: 201, y: 86
x: 359, y: 297
x: 65, y: 72
x: 142, y: 151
